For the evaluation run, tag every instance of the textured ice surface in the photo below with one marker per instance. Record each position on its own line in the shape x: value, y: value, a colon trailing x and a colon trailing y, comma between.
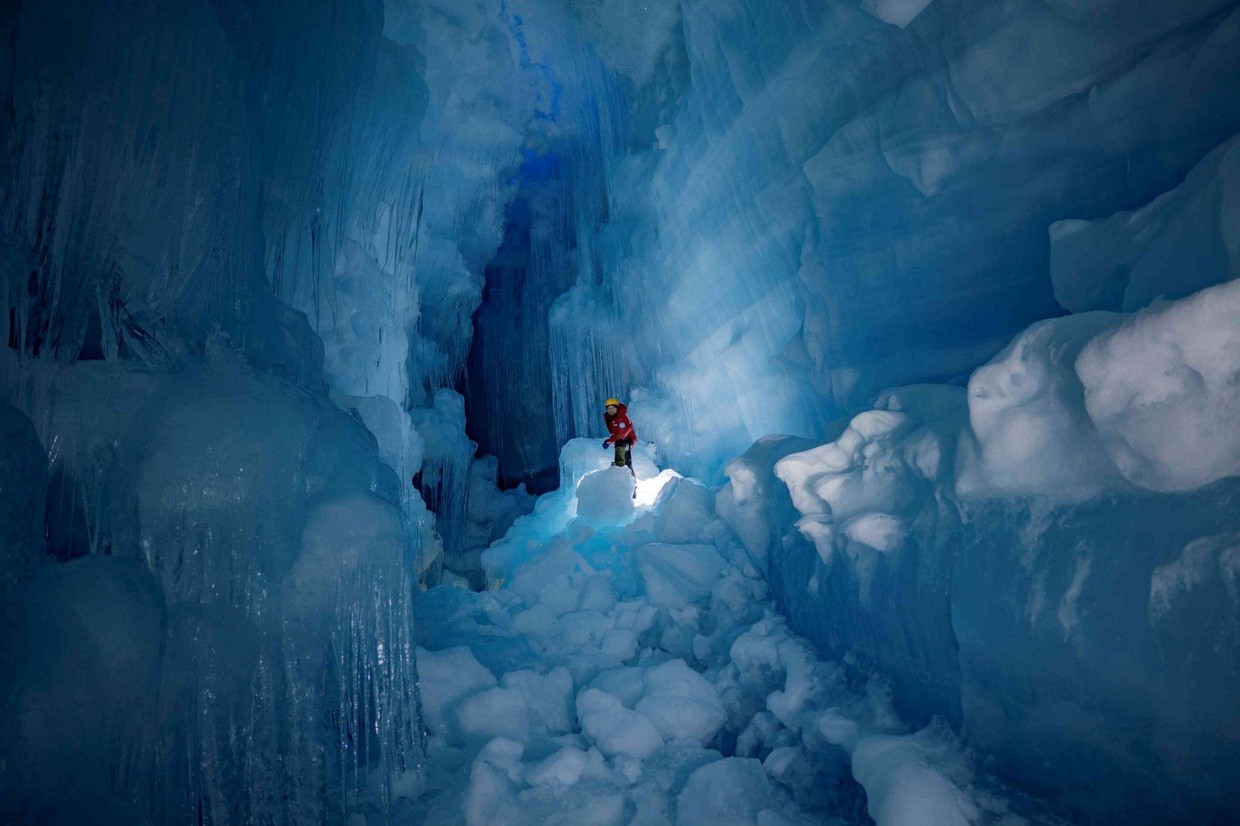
x: 344, y: 189
x: 1179, y: 243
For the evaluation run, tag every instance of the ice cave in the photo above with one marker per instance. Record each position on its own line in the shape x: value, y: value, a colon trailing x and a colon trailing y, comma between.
x: 620, y: 412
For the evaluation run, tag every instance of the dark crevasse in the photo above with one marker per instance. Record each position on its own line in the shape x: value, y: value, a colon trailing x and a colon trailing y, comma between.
x: 508, y: 391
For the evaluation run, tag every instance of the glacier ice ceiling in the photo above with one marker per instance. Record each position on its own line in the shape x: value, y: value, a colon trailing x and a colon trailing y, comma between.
x: 926, y: 313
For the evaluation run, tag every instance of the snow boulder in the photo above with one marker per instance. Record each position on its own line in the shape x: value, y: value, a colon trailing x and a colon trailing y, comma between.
x: 445, y: 678
x: 1163, y: 391
x: 681, y: 703
x: 677, y: 575
x: 494, y: 712
x: 605, y: 497
x: 729, y: 792
x: 908, y: 781
x: 616, y: 730
x: 1029, y: 432
x: 683, y: 512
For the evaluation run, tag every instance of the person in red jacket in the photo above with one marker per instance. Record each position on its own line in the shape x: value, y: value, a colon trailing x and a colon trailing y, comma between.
x: 623, y: 436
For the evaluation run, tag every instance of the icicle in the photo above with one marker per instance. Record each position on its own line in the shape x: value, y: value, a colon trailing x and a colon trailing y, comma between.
x: 589, y: 362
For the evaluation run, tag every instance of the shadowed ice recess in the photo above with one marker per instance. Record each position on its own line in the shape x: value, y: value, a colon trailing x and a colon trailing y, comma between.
x: 925, y: 313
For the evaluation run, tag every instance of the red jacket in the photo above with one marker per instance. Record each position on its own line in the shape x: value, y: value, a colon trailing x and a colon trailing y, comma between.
x: 620, y: 427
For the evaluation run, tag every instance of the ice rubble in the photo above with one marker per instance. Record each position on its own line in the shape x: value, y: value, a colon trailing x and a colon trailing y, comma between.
x: 631, y: 669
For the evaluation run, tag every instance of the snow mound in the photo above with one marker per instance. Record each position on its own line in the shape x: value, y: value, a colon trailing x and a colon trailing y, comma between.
x: 605, y: 497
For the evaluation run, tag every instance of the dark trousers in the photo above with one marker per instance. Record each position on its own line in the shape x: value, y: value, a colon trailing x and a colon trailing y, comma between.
x: 622, y: 454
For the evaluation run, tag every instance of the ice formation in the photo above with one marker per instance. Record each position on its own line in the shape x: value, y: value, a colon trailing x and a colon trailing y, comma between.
x: 926, y: 311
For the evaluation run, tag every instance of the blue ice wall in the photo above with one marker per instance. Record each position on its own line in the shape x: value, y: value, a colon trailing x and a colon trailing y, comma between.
x: 240, y: 250
x: 814, y: 204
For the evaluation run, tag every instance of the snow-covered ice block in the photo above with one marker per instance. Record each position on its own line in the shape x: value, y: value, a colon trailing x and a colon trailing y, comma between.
x: 548, y: 698
x: 580, y: 457
x: 683, y: 510
x: 625, y: 684
x: 1096, y: 402
x: 729, y: 792
x: 677, y: 575
x: 546, y: 582
x: 1030, y: 432
x: 616, y: 730
x: 605, y: 497
x: 906, y: 784
x: 820, y: 480
x: 681, y: 703
x: 446, y: 677
x: 491, y: 795
x: 564, y: 768
x: 494, y: 712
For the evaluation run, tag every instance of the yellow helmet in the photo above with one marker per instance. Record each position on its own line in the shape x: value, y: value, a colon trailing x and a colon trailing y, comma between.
x: 611, y: 403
